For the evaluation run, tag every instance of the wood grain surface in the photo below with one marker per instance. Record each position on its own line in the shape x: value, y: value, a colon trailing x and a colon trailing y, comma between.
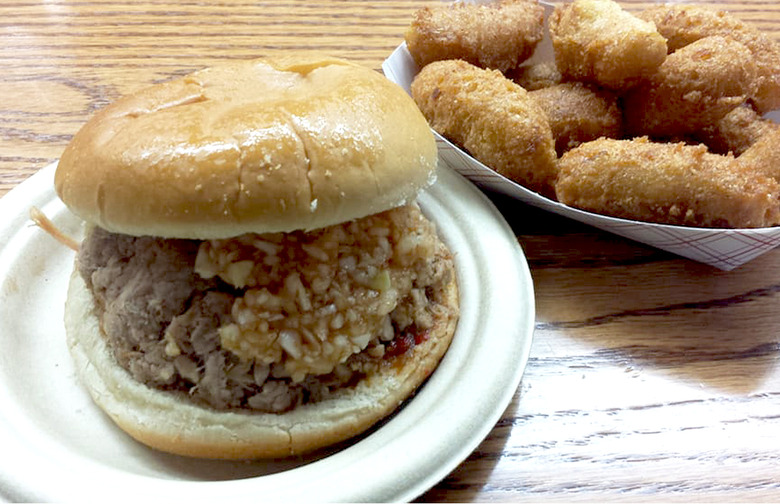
x: 651, y: 377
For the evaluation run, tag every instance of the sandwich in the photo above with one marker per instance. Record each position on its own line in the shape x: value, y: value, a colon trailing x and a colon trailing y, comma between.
x: 256, y: 278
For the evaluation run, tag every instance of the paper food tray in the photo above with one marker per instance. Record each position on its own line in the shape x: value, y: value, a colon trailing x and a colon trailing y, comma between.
x: 722, y: 248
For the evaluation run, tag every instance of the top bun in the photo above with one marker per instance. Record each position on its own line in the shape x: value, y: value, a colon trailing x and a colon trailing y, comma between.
x: 279, y: 144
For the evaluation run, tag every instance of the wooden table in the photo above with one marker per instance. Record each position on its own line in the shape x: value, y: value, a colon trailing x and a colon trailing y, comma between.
x: 651, y: 377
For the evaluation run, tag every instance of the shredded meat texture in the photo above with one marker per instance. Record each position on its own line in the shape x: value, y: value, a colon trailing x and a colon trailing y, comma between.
x: 140, y: 285
x: 168, y: 324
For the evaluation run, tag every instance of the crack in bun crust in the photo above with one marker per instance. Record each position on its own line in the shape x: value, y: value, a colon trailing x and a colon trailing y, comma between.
x: 273, y: 145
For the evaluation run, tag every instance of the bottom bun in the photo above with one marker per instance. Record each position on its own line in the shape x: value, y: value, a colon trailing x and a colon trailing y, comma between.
x: 169, y: 422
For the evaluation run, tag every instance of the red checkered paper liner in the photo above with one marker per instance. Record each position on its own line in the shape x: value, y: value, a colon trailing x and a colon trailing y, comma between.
x: 722, y: 248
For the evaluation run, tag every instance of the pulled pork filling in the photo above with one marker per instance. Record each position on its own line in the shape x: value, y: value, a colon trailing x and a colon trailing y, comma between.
x: 268, y: 321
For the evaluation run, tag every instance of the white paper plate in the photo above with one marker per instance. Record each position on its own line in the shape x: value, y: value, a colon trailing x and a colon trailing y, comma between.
x: 722, y: 248
x: 55, y: 445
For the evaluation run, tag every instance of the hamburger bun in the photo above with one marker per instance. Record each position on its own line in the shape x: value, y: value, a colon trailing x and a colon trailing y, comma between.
x: 265, y: 146
x: 295, y: 142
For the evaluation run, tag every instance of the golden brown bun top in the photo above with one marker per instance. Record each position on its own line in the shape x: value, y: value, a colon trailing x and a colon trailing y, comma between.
x: 295, y: 142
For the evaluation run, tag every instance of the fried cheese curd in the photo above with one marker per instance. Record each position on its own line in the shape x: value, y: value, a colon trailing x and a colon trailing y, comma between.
x: 536, y: 76
x: 694, y: 87
x: 736, y: 132
x: 682, y: 25
x: 579, y: 113
x: 596, y: 41
x: 763, y: 156
x: 497, y: 35
x: 491, y: 117
x: 669, y: 183
x: 313, y: 300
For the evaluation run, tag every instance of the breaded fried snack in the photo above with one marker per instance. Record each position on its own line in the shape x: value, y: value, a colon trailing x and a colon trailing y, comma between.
x: 737, y: 131
x: 670, y: 183
x: 695, y: 86
x: 498, y: 35
x: 536, y: 76
x: 579, y: 113
x: 763, y: 157
x: 491, y: 117
x: 598, y: 42
x: 684, y: 24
